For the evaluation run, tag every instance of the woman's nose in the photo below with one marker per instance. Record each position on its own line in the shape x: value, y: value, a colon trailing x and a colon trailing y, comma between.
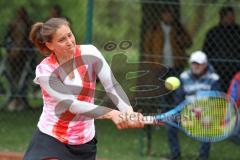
x: 69, y: 41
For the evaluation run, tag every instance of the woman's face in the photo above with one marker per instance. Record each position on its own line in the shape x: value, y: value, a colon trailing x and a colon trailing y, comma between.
x: 63, y: 42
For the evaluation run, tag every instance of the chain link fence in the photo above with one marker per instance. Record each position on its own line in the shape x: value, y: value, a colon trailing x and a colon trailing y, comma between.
x: 137, y: 29
x: 210, y: 26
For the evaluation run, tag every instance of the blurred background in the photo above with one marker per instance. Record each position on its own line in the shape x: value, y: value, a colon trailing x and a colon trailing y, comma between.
x: 122, y: 30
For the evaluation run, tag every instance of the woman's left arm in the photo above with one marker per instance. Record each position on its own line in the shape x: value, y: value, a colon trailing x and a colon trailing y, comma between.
x: 111, y: 85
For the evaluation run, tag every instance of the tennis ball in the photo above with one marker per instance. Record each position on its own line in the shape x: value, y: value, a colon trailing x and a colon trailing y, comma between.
x: 172, y: 83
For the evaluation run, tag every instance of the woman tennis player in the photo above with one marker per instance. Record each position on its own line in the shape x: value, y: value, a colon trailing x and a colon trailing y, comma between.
x: 67, y: 77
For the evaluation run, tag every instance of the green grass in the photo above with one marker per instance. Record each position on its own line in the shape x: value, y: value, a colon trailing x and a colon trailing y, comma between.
x: 118, y: 145
x: 17, y: 128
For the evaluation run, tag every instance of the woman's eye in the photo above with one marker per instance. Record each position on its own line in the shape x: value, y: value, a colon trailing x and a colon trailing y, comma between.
x: 62, y: 39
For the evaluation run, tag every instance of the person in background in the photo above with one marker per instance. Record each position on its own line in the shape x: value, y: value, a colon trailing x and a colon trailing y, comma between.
x: 222, y: 46
x: 234, y: 93
x: 19, y: 52
x: 56, y: 12
x: 67, y: 77
x: 200, y: 77
x: 164, y: 43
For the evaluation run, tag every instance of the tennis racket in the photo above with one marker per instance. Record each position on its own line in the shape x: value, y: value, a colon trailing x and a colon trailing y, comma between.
x: 210, y: 117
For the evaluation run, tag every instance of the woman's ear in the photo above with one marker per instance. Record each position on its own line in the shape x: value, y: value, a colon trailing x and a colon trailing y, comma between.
x: 49, y: 46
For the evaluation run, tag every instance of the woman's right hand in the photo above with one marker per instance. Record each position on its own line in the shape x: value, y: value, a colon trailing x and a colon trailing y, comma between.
x: 127, y: 119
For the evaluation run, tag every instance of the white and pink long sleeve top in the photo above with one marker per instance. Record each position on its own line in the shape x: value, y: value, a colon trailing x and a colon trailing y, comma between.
x: 67, y: 103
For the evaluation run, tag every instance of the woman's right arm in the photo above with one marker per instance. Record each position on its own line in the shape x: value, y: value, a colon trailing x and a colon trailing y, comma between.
x: 60, y: 92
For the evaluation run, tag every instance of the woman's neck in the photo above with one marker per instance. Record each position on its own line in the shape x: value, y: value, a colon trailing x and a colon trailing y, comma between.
x: 64, y: 59
x: 66, y: 62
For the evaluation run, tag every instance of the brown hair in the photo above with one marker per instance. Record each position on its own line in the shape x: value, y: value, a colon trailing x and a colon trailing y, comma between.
x: 43, y: 32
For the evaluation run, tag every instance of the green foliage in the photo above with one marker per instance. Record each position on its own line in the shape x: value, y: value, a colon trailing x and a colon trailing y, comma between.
x: 39, y: 11
x: 210, y: 18
x: 116, y: 21
x: 113, y: 20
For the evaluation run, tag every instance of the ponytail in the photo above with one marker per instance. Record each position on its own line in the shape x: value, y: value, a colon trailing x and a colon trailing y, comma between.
x: 43, y: 32
x: 36, y: 38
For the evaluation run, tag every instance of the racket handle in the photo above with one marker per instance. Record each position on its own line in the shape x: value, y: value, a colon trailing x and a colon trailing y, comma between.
x: 151, y: 120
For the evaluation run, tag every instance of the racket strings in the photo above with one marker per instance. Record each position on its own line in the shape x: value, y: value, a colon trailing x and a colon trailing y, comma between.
x: 209, y: 118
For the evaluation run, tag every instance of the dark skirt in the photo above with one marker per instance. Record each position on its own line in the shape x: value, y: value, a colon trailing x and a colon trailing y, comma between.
x: 43, y: 146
